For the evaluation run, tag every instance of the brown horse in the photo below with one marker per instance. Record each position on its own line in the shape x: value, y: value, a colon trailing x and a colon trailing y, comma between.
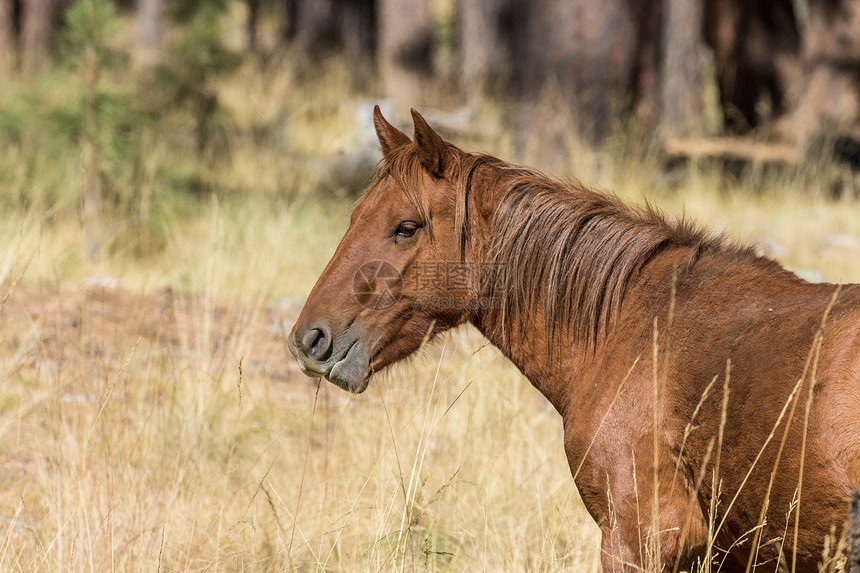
x: 710, y: 398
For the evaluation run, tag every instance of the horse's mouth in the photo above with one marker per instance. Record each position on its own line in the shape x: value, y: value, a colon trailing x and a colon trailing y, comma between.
x: 352, y: 372
x: 348, y: 367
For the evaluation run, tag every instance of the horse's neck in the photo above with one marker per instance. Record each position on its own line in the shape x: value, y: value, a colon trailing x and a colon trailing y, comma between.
x: 561, y: 371
x: 527, y: 353
x: 554, y: 360
x: 553, y: 377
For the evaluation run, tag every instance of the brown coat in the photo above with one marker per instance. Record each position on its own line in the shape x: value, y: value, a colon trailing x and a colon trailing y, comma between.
x: 626, y: 322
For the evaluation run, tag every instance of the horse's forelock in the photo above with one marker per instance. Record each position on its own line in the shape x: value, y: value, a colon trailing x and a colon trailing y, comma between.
x: 405, y: 166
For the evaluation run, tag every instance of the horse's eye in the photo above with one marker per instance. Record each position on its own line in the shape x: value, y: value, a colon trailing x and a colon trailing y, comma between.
x: 406, y: 229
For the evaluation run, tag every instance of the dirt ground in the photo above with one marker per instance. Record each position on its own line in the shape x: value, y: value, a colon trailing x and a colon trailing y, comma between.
x: 62, y: 327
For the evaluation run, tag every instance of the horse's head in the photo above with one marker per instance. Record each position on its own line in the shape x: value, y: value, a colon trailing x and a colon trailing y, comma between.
x: 399, y: 275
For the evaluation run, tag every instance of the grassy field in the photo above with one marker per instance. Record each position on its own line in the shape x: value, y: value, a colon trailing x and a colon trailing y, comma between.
x: 152, y: 419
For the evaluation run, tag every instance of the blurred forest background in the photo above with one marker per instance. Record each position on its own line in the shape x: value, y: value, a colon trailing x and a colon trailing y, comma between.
x: 161, y: 99
x: 174, y: 176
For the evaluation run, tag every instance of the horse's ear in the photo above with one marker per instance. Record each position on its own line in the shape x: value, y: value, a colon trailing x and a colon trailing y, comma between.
x: 431, y: 148
x: 390, y: 138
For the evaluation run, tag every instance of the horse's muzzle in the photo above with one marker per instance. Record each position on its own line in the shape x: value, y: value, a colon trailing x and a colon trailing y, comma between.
x: 344, y: 362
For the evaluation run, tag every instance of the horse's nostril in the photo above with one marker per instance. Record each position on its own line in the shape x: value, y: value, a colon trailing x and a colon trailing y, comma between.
x: 312, y: 340
x: 317, y: 342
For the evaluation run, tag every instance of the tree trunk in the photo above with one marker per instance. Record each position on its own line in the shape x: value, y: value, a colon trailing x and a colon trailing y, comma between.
x: 583, y: 51
x: 289, y: 26
x: 405, y: 42
x: 320, y: 28
x: 647, y: 95
x: 682, y: 103
x: 8, y: 50
x: 251, y: 24
x: 40, y: 17
x: 357, y: 19
x: 749, y: 38
x: 830, y: 99
x: 314, y: 26
x: 485, y: 37
x: 149, y: 17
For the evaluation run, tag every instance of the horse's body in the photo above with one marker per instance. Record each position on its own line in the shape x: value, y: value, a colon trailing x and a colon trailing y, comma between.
x: 626, y: 323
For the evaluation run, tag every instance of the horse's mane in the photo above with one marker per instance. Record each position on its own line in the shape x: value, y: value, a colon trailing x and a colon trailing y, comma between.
x: 573, y: 251
x: 567, y: 248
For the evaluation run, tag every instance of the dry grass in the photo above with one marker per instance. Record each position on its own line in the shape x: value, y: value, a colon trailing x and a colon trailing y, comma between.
x: 133, y: 443
x: 134, y: 449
